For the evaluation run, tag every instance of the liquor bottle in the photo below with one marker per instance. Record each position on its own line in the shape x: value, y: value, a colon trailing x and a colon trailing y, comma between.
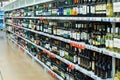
x: 108, y: 37
x: 86, y: 35
x: 67, y: 53
x: 109, y: 67
x: 76, y: 1
x: 109, y: 8
x: 39, y: 10
x: 93, y: 55
x: 116, y: 38
x: 99, y: 35
x: 45, y: 26
x: 55, y: 28
x: 94, y: 36
x: 117, y: 69
x: 111, y: 44
x: 103, y: 35
x: 66, y: 30
x: 116, y: 8
x: 55, y: 64
x: 55, y: 46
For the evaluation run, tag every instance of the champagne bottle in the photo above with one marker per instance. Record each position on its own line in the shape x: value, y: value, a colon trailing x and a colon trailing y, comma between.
x: 107, y: 42
x: 109, y: 11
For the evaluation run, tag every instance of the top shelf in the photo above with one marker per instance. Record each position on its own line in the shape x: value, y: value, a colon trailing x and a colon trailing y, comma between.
x: 102, y: 19
x: 23, y: 3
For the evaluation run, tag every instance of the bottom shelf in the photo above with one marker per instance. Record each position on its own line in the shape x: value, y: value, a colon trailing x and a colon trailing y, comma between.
x: 53, y: 74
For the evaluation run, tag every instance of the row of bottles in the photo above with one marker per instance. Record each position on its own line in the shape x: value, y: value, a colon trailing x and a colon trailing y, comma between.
x: 53, y: 63
x: 117, y: 70
x: 97, y: 8
x: 98, y: 34
x: 85, y: 58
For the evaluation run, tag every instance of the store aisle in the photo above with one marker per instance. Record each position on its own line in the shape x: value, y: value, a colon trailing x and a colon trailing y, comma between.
x: 15, y: 65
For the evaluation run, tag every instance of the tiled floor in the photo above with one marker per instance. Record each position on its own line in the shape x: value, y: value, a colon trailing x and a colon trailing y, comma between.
x: 15, y: 65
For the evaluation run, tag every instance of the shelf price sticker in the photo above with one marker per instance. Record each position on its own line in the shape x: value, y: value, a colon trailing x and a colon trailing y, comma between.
x: 77, y: 45
x: 44, y: 51
x: 49, y: 72
x: 41, y: 18
x: 52, y: 56
x: 54, y: 76
x: 106, y: 52
x: 98, y: 19
x: 94, y: 18
x: 114, y: 55
x: 71, y: 66
x: 105, y: 19
x: 22, y: 48
x: 113, y: 20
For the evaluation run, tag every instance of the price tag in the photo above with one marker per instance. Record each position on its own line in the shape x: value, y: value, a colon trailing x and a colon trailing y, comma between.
x: 84, y: 18
x: 105, y: 52
x: 117, y: 19
x: 94, y: 19
x: 114, y: 55
x: 41, y: 18
x: 98, y: 19
x: 105, y: 19
x: 112, y: 19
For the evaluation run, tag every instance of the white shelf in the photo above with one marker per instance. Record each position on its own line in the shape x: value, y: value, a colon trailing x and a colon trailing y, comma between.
x: 113, y: 54
x: 91, y: 47
x: 35, y: 58
x: 101, y: 19
x: 17, y: 4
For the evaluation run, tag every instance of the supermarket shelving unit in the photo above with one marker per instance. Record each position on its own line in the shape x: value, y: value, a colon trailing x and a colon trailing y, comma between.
x: 23, y: 3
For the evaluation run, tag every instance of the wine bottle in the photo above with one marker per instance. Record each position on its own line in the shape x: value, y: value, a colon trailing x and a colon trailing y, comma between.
x: 109, y: 8
x: 116, y: 8
x: 116, y: 39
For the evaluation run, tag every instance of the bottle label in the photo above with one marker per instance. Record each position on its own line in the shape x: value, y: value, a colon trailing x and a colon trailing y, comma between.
x: 84, y: 9
x: 107, y: 43
x: 78, y: 36
x: 111, y: 30
x: 85, y: 36
x: 116, y: 42
x: 79, y: 60
x: 104, y: 7
x: 93, y: 65
x: 74, y: 35
x: 88, y: 9
x: 109, y: 10
x: 98, y: 40
x: 116, y: 7
x: 92, y: 9
x: 111, y: 44
x: 116, y: 30
x: 82, y: 36
x: 81, y: 9
x: 75, y: 59
x: 108, y: 29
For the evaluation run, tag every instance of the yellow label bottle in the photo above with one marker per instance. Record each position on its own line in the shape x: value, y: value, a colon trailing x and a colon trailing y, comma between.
x: 109, y: 9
